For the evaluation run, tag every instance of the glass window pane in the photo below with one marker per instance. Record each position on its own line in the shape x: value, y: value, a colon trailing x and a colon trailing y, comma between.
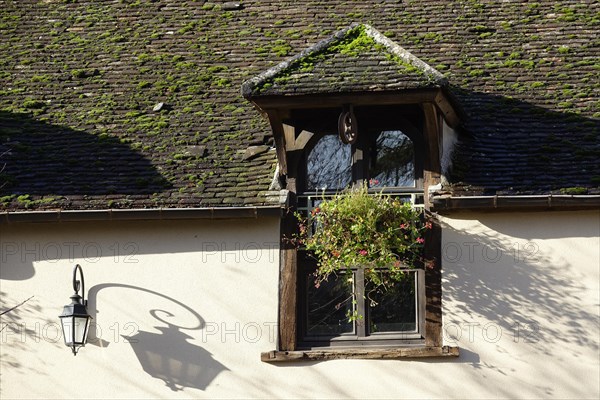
x: 394, y: 162
x: 393, y: 308
x: 329, y: 164
x: 328, y: 306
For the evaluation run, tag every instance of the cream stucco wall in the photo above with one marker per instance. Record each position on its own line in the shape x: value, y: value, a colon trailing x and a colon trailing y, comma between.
x: 521, y: 299
x: 183, y: 310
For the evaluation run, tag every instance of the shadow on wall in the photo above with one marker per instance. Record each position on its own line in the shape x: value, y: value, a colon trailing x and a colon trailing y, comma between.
x: 44, y: 159
x: 167, y: 355
x: 536, y: 297
x: 121, y: 242
x: 21, y: 323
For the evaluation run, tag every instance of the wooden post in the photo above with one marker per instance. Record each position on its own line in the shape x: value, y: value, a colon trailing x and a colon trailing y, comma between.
x: 433, y: 238
x: 433, y: 285
x: 288, y: 274
x: 288, y: 288
x: 279, y: 136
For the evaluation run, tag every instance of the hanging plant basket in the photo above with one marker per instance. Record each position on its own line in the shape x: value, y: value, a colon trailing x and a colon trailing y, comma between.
x: 355, y: 229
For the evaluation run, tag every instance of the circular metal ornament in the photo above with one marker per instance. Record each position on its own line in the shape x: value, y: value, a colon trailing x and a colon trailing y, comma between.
x: 347, y: 127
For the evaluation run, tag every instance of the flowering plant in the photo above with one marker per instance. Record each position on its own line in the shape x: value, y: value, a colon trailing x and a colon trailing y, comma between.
x: 353, y: 229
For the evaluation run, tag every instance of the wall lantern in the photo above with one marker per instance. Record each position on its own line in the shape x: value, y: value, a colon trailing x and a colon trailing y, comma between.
x: 75, y: 319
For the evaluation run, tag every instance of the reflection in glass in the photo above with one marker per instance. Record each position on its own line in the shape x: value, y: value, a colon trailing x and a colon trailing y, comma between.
x: 329, y: 305
x: 393, y: 308
x: 393, y: 165
x: 329, y: 164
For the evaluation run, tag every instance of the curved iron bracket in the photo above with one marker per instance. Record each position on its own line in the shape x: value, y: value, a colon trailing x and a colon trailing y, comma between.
x: 76, y: 283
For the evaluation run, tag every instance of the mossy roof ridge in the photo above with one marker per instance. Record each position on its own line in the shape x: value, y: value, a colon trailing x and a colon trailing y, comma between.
x: 79, y: 81
x: 356, y: 58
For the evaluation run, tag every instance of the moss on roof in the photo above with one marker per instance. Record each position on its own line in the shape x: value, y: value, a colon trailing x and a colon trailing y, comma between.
x: 358, y: 58
x: 80, y: 82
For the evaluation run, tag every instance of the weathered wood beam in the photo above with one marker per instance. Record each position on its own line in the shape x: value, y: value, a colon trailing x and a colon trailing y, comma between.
x: 433, y: 285
x: 447, y: 110
x: 365, y: 354
x: 288, y: 286
x: 432, y: 165
x: 432, y: 132
x: 302, y: 140
x: 334, y: 100
x: 289, y: 134
x: 279, y: 137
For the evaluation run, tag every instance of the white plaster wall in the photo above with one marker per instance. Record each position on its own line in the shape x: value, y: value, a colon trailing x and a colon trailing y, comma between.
x: 211, y: 274
x: 521, y: 299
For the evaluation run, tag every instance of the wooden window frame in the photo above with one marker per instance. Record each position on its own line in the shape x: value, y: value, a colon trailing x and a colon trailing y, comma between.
x: 291, y: 139
x: 361, y: 337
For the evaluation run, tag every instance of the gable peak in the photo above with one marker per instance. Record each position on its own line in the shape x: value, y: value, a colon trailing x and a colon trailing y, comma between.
x: 356, y: 58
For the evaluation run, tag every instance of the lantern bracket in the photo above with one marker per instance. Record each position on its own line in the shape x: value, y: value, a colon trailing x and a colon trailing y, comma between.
x: 77, y: 284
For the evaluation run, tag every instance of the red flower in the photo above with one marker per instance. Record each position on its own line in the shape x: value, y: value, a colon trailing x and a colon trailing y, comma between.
x: 420, y: 240
x: 362, y: 252
x: 403, y: 226
x: 428, y: 225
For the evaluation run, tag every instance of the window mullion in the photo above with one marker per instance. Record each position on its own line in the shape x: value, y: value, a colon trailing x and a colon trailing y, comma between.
x: 420, y: 297
x: 360, y: 170
x: 361, y: 309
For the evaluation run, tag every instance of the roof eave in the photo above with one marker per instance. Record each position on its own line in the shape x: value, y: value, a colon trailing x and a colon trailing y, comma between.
x: 153, y: 214
x: 451, y: 204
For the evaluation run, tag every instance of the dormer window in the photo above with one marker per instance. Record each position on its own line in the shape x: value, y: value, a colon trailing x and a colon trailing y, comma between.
x: 388, y: 152
x: 328, y: 165
x: 355, y: 109
x: 391, y: 163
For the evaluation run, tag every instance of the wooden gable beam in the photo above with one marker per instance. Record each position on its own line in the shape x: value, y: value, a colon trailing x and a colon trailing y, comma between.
x: 447, y: 111
x: 431, y: 132
x: 279, y: 137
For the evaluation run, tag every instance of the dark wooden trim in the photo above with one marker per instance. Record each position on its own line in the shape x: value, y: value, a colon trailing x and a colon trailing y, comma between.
x: 416, y: 96
x: 360, y: 159
x: 411, y: 96
x: 279, y: 137
x: 288, y: 284
x: 288, y: 276
x: 364, y: 354
x: 433, y: 284
x: 444, y: 205
x: 432, y: 132
x: 446, y: 109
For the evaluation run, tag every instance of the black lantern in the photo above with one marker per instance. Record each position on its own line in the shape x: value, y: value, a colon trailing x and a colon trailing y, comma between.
x: 75, y: 319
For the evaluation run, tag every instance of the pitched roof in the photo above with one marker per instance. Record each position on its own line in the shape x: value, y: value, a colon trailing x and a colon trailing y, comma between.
x: 357, y: 58
x: 81, y: 87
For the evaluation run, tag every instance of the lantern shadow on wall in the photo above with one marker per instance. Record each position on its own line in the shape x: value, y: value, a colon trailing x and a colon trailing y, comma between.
x: 168, y: 355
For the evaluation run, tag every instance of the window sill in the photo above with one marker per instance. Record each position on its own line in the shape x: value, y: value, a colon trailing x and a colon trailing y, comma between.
x: 362, y: 354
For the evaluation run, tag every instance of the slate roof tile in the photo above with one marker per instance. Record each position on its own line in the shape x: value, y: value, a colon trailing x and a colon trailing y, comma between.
x: 79, y: 81
x: 358, y: 58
